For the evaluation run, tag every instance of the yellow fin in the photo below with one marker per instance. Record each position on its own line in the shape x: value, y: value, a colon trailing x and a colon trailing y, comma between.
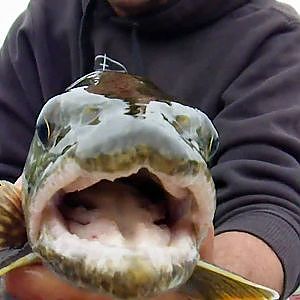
x: 12, y: 224
x: 209, y: 282
x: 29, y: 259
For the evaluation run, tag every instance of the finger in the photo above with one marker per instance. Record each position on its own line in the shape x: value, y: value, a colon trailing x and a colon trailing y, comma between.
x: 37, y: 282
x: 206, y: 250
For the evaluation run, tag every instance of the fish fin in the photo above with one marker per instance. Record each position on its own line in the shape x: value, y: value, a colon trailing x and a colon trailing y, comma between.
x: 10, y: 256
x: 13, y: 237
x: 29, y: 259
x: 12, y: 225
x: 209, y: 282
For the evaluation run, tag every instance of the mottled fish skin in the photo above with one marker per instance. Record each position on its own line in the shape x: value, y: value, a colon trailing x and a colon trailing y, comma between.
x: 89, y: 128
x: 120, y: 123
x: 116, y: 123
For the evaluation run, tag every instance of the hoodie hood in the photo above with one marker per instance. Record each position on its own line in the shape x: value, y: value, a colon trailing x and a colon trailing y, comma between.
x: 172, y: 19
x: 175, y: 16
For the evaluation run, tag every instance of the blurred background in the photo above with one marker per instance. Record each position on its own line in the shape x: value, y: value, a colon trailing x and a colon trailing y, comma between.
x: 9, y: 11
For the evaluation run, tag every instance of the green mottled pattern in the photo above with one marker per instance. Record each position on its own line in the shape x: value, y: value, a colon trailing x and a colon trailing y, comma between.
x: 107, y: 134
x: 120, y: 123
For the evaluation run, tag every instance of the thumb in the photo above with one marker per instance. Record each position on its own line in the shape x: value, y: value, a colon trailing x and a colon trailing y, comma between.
x: 206, y: 250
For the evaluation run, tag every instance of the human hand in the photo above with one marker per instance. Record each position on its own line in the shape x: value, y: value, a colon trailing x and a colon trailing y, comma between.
x: 238, y: 252
x: 250, y: 257
x: 38, y: 282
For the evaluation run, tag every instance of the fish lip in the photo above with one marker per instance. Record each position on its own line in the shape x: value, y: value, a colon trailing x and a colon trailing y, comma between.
x: 71, y: 172
x: 200, y: 185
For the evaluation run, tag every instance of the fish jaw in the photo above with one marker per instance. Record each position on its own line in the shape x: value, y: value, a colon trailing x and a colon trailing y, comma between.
x: 121, y: 269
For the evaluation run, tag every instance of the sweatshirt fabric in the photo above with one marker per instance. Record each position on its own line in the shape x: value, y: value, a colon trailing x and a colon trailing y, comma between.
x: 236, y: 60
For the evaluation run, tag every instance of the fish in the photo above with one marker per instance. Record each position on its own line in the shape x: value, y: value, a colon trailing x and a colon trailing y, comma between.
x: 117, y: 196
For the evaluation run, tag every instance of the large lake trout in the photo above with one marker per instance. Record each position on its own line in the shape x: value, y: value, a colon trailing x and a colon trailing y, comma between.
x: 117, y: 197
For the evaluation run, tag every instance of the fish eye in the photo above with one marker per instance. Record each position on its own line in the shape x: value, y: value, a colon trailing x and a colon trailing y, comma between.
x: 43, y: 130
x: 208, y: 141
x: 213, y: 146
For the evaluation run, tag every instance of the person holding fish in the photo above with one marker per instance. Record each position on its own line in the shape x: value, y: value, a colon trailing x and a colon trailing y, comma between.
x: 116, y: 176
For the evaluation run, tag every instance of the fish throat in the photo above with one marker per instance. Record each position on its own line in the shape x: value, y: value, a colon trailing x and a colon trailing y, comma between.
x: 130, y: 212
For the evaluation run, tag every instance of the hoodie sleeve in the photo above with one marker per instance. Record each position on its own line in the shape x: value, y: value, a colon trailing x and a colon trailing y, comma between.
x: 39, y: 59
x: 20, y: 97
x: 257, y: 172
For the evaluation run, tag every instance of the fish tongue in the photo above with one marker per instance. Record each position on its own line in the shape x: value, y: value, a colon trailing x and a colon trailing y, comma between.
x: 117, y: 215
x: 97, y: 228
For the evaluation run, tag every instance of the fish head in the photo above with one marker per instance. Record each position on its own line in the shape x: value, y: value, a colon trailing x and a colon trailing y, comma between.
x: 117, y: 194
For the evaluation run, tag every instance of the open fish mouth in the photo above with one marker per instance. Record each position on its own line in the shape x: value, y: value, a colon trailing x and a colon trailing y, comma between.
x: 129, y: 234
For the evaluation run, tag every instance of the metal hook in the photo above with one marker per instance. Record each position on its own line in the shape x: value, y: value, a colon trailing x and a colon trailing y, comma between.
x: 102, y: 63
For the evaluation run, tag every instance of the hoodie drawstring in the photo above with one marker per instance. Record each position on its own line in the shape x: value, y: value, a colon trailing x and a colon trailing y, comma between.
x: 136, y: 55
x: 137, y: 59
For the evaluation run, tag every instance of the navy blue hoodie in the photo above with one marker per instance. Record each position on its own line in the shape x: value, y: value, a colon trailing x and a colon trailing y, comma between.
x: 237, y: 60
